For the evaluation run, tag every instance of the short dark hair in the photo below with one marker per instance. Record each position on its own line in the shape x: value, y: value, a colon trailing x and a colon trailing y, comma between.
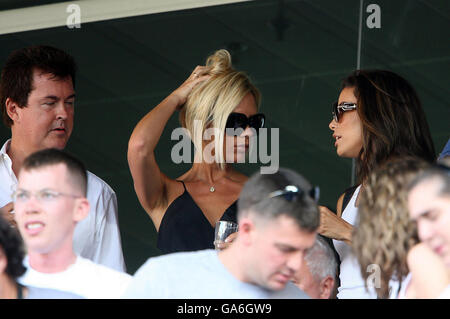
x: 393, y: 120
x: 52, y: 156
x: 16, y: 80
x: 255, y: 197
x: 12, y: 246
x: 439, y: 171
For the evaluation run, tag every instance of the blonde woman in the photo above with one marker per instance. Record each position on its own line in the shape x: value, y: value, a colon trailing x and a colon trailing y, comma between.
x: 384, y: 232
x: 185, y: 210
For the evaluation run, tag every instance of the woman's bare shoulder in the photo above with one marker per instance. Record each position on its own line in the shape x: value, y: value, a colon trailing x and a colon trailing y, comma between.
x: 339, y: 205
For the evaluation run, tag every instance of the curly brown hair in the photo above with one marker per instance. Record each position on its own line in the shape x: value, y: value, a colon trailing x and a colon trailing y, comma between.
x: 384, y: 233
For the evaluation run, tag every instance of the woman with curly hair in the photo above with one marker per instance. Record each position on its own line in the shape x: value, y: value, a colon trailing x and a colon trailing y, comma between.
x: 184, y: 210
x: 377, y: 118
x: 384, y: 232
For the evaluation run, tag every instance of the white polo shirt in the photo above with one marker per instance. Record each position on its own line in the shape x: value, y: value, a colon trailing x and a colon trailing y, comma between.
x: 445, y: 294
x: 83, y: 278
x: 96, y: 237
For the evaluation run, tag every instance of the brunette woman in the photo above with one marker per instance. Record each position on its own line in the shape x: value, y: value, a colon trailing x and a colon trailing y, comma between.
x: 378, y: 117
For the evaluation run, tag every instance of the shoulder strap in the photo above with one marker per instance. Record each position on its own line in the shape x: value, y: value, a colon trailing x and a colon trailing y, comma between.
x: 348, y: 195
x: 183, y: 184
x: 19, y: 291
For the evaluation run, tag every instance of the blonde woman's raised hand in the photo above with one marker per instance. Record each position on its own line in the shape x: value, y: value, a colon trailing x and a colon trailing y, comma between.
x: 149, y: 182
x: 199, y: 75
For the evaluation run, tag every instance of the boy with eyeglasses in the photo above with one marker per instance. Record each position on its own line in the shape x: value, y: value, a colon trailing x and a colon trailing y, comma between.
x: 278, y: 218
x: 49, y: 201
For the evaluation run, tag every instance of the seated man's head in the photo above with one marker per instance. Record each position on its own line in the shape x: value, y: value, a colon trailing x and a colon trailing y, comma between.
x: 50, y: 199
x: 278, y: 218
x: 317, y: 275
x: 37, y: 96
x: 429, y: 206
x: 227, y: 99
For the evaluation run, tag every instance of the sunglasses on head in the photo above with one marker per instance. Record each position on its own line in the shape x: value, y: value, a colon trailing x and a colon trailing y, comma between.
x: 237, y: 121
x: 338, y: 109
x: 291, y: 193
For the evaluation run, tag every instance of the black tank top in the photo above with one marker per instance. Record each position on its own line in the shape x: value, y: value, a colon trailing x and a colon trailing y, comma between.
x: 184, y: 227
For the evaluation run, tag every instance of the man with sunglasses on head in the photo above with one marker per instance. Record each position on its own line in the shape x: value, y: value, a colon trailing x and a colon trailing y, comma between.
x: 49, y: 202
x: 37, y: 96
x: 278, y: 218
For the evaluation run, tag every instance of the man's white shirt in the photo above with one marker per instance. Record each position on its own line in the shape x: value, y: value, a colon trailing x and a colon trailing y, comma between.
x: 83, y: 278
x: 97, y: 237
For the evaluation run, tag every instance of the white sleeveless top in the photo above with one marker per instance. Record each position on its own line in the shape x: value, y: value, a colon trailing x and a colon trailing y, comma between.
x: 352, y: 284
x: 405, y: 284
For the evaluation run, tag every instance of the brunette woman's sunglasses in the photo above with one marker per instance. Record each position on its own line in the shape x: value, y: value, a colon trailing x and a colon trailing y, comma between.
x: 236, y: 121
x: 338, y: 109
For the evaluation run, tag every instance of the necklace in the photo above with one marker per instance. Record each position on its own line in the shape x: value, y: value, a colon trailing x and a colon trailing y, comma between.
x: 212, y: 189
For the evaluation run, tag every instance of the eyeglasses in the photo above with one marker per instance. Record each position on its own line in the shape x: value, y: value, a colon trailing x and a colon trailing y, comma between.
x: 236, y: 121
x: 337, y: 110
x: 43, y: 195
x: 291, y: 193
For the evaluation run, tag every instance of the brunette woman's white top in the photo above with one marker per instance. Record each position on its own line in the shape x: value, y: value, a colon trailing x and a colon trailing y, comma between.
x: 352, y: 284
x: 405, y: 284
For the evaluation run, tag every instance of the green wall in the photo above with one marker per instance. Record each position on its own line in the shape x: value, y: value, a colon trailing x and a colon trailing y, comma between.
x: 295, y: 51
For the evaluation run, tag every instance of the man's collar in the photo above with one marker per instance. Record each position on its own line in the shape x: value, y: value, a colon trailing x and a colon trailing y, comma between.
x: 5, y: 147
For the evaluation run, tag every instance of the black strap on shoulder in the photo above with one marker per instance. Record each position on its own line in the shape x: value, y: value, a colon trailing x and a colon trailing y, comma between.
x: 348, y: 195
x: 19, y: 291
x: 183, y: 184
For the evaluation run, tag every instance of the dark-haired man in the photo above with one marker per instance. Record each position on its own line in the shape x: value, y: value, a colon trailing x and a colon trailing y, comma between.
x: 37, y: 101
